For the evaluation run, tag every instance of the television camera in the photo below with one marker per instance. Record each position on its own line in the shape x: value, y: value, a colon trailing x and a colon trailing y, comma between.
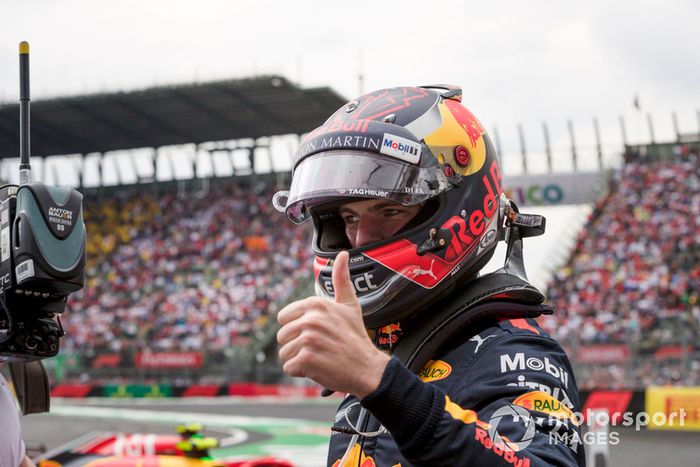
x: 42, y: 261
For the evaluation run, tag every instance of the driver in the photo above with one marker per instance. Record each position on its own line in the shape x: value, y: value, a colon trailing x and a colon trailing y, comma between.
x: 404, y: 189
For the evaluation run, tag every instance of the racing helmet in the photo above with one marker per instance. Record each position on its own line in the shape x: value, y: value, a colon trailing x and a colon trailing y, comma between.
x: 409, y: 145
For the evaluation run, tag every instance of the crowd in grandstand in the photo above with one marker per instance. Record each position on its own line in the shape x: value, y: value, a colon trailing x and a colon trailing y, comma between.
x: 644, y: 373
x: 175, y: 273
x: 634, y: 275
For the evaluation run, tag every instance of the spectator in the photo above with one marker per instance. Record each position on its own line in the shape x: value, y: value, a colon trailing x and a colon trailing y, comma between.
x: 634, y: 275
x: 180, y: 274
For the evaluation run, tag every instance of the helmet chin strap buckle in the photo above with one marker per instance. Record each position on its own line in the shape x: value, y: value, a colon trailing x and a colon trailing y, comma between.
x: 519, y: 226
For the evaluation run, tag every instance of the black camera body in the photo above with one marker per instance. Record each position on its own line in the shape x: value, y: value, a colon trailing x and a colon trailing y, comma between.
x: 42, y: 261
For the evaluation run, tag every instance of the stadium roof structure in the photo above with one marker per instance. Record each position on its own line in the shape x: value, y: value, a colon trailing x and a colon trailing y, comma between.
x: 168, y: 115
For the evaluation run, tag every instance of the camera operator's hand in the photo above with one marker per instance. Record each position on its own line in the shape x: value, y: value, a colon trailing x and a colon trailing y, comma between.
x: 327, y: 341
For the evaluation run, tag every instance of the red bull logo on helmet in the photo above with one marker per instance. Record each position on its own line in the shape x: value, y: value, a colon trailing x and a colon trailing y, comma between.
x: 467, y: 121
x: 459, y: 128
x: 467, y: 230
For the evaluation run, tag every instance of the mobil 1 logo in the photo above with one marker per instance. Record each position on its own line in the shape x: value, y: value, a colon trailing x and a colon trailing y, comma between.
x: 520, y: 362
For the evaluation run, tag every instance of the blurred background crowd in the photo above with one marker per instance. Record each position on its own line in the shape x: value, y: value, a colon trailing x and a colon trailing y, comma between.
x: 633, y: 278
x: 171, y: 273
x: 205, y: 273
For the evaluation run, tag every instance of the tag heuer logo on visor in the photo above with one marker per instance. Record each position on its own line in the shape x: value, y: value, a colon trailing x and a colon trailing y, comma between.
x: 401, y: 148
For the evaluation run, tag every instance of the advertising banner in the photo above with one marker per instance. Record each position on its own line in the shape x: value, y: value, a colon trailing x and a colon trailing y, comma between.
x: 168, y: 360
x: 680, y: 407
x: 604, y: 353
x: 554, y: 189
x: 111, y: 360
x: 615, y: 403
x: 202, y: 390
x: 672, y: 352
x: 71, y: 390
x: 129, y: 391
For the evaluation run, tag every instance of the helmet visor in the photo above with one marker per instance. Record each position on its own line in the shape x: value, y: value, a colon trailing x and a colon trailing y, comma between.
x: 330, y: 176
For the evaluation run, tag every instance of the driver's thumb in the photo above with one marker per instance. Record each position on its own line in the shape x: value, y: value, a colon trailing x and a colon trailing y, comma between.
x: 342, y: 285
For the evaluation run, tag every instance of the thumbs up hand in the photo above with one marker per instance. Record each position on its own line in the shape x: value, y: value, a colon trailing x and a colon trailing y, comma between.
x: 327, y: 341
x: 342, y: 284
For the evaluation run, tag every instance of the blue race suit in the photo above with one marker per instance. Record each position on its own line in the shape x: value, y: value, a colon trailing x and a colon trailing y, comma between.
x: 501, y: 393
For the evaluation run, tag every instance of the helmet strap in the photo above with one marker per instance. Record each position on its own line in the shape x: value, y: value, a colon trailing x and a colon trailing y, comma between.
x: 519, y: 226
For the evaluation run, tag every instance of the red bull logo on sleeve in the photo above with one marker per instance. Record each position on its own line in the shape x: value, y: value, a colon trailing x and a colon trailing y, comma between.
x: 500, y: 449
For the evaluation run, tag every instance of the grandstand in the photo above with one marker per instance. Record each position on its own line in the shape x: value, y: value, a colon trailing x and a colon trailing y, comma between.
x: 205, y: 274
x: 199, y: 275
x: 627, y: 298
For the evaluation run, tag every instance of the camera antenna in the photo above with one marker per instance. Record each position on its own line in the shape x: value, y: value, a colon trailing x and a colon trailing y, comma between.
x: 25, y: 169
